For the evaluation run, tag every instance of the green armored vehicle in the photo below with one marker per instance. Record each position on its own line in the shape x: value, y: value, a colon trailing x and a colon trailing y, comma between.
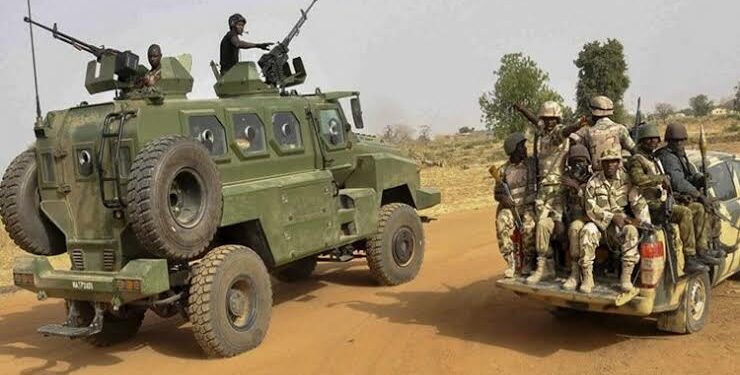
x: 188, y: 206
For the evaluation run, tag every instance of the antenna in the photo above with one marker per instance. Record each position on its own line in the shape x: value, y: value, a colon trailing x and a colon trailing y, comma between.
x: 33, y: 57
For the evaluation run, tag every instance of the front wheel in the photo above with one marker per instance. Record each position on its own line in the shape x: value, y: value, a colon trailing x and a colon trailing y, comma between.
x: 396, y: 251
x: 693, y: 311
x: 230, y: 301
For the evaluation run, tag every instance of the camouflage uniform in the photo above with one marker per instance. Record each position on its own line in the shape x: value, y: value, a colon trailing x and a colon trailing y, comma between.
x: 603, y: 199
x: 604, y: 134
x: 520, y: 178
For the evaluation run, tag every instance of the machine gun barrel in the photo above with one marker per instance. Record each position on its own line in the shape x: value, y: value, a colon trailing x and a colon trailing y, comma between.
x: 80, y: 45
x: 297, y: 28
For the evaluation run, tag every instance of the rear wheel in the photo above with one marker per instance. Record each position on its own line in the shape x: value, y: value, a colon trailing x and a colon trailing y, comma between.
x: 20, y: 209
x: 298, y: 270
x: 174, y: 198
x: 396, y: 252
x: 693, y: 311
x: 230, y: 301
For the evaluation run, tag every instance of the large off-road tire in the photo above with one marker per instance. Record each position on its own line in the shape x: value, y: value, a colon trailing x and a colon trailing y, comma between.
x: 20, y: 209
x: 396, y: 251
x: 693, y: 311
x: 230, y: 302
x: 174, y: 198
x: 298, y: 270
x: 116, y: 328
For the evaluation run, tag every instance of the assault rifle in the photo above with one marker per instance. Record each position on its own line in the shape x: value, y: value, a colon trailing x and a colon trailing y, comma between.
x: 274, y: 64
x: 518, y: 224
x: 126, y: 61
x: 638, y: 121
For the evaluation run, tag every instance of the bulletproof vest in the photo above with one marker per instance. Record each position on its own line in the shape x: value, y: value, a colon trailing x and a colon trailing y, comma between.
x: 520, y: 178
x: 653, y: 167
x: 551, y: 152
x: 605, y: 134
x: 612, y: 195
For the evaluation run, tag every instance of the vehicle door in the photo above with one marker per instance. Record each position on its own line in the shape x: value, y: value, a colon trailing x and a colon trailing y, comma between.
x: 334, y: 139
x: 724, y: 187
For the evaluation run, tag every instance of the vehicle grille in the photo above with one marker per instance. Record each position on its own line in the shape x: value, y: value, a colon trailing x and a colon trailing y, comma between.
x: 78, y: 260
x: 109, y: 260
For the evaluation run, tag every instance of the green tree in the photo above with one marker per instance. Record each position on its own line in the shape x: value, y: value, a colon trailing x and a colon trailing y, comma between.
x: 518, y: 80
x: 701, y: 105
x: 602, y: 70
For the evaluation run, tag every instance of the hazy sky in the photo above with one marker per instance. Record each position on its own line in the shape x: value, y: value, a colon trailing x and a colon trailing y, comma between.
x: 415, y: 61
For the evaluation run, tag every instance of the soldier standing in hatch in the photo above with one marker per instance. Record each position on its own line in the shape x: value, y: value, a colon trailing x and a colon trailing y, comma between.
x: 609, y: 193
x: 647, y: 173
x: 154, y: 54
x: 604, y: 134
x: 577, y: 173
x: 231, y: 44
x: 552, y: 147
x: 519, y: 174
x: 685, y: 182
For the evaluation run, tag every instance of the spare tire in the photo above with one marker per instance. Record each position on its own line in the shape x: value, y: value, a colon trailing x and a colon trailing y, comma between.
x: 20, y: 209
x: 174, y: 198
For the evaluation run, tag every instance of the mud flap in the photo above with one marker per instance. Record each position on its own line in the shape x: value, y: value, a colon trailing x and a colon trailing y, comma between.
x: 71, y: 328
x: 551, y: 292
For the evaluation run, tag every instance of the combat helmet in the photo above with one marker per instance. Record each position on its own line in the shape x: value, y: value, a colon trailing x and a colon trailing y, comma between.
x: 610, y: 154
x: 647, y: 131
x: 550, y: 109
x: 676, y: 132
x: 512, y: 141
x: 236, y: 18
x: 579, y: 151
x: 601, y: 106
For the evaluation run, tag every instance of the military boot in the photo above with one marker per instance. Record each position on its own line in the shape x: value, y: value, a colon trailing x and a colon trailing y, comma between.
x: 527, y: 264
x: 572, y: 281
x: 692, y: 265
x: 708, y: 260
x: 587, y: 279
x: 536, y: 276
x: 625, y: 279
x: 510, y: 266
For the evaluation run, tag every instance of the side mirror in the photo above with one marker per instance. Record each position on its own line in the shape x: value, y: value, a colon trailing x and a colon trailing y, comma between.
x: 357, y: 112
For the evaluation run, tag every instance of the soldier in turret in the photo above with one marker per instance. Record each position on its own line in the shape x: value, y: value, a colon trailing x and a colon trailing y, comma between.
x: 231, y: 44
x: 552, y: 147
x: 608, y: 196
x: 604, y: 133
x: 519, y: 174
x: 648, y: 174
x: 685, y: 182
x: 154, y: 54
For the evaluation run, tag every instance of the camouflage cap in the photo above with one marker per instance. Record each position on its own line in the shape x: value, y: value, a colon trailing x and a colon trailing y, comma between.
x: 512, y: 141
x: 611, y: 154
x: 601, y: 106
x: 550, y: 109
x: 647, y: 131
x: 579, y: 151
x: 676, y: 132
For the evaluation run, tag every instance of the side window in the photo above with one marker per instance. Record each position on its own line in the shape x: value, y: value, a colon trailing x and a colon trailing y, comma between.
x: 208, y: 131
x: 287, y: 130
x: 330, y: 125
x: 249, y: 133
x: 722, y: 184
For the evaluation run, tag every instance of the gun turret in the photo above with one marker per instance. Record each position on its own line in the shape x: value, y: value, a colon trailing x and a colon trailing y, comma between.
x: 274, y: 64
x: 126, y: 62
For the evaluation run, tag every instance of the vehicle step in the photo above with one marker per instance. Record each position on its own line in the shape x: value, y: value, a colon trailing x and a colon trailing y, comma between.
x: 601, y: 294
x: 67, y: 331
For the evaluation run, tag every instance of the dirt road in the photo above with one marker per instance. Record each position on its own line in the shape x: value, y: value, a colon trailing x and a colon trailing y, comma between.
x: 450, y: 320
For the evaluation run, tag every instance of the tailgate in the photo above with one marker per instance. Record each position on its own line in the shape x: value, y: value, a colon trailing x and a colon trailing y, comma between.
x: 603, y: 297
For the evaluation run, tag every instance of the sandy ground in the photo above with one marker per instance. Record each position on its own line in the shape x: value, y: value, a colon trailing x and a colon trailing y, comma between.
x: 450, y: 320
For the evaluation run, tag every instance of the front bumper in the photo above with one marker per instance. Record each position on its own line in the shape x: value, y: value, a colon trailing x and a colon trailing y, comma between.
x: 139, y: 279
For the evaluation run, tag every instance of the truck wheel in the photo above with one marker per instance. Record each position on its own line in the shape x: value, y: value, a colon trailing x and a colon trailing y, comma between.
x: 692, y: 313
x: 230, y: 302
x: 396, y: 251
x: 116, y: 328
x: 174, y: 198
x: 20, y: 209
x: 298, y: 270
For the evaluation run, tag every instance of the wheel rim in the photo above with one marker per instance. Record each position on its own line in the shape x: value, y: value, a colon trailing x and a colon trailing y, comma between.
x: 185, y: 198
x: 697, y: 300
x: 404, y: 244
x: 241, y: 303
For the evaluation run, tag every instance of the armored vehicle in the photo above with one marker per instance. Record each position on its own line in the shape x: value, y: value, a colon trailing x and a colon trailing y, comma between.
x: 679, y: 301
x: 188, y: 206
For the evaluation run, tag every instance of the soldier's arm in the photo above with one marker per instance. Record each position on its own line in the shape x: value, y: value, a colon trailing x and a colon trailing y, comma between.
x: 238, y: 43
x: 626, y: 141
x: 639, y: 177
x: 498, y: 192
x: 679, y: 183
x: 601, y: 217
x: 639, y: 205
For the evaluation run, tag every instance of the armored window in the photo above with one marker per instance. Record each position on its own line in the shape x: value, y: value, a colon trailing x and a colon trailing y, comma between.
x: 330, y: 125
x: 209, y: 132
x: 249, y: 133
x: 722, y: 183
x: 287, y: 130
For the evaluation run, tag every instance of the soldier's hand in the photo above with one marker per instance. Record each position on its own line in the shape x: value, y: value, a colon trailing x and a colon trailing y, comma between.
x: 265, y: 46
x: 706, y: 201
x: 570, y: 182
x: 620, y: 220
x: 583, y: 121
